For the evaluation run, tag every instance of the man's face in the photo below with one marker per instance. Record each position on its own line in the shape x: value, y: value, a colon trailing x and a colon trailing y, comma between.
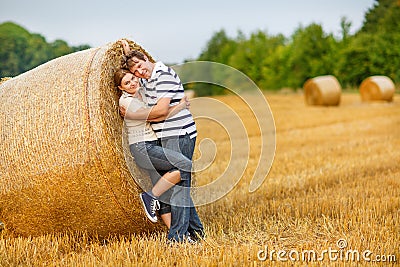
x: 141, y: 68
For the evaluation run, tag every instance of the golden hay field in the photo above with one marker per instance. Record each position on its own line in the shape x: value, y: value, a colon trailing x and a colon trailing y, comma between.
x: 336, y: 175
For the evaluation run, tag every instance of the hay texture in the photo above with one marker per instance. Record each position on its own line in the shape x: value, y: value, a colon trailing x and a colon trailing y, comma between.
x: 377, y: 88
x: 63, y: 164
x: 323, y: 91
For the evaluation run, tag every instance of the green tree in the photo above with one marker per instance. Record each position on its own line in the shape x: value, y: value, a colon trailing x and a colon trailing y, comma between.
x: 80, y: 48
x: 219, y: 48
x: 275, y: 69
x: 37, y: 51
x: 310, y: 54
x: 345, y: 26
x: 60, y: 48
x: 375, y: 49
x: 21, y: 50
x: 367, y: 55
x: 250, y: 54
x: 13, y: 43
x: 382, y: 17
x: 274, y: 62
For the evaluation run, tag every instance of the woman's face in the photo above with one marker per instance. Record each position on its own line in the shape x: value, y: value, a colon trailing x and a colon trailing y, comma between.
x: 130, y: 83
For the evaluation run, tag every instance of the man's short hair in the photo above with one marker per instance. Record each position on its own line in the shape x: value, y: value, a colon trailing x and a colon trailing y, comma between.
x: 132, y: 54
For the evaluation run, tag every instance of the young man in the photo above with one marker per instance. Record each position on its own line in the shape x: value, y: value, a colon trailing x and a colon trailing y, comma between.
x: 164, y: 89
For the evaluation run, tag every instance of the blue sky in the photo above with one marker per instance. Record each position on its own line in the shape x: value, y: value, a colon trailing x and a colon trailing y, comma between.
x: 175, y: 30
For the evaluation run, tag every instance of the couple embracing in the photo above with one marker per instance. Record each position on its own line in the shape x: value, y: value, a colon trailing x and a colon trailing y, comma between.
x: 162, y: 136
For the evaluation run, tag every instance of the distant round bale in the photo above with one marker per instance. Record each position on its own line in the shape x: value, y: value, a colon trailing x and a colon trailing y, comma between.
x: 377, y: 88
x: 322, y: 90
x: 63, y: 165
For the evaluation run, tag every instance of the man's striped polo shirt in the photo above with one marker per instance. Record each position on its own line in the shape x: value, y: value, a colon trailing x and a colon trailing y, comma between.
x: 165, y: 83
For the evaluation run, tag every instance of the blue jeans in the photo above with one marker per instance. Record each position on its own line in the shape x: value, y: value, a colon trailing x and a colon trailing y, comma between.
x: 185, y: 219
x: 158, y: 160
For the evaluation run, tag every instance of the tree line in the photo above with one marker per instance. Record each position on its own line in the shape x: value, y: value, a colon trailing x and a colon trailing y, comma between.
x: 21, y: 50
x: 275, y: 61
x: 271, y: 61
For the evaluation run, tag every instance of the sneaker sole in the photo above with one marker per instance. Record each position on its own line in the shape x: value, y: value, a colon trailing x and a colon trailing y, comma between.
x: 145, y: 210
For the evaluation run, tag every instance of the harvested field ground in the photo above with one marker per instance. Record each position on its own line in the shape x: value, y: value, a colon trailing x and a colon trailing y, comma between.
x: 335, y: 181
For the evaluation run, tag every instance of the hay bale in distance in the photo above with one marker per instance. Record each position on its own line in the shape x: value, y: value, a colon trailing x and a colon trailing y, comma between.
x: 322, y: 90
x: 63, y: 166
x: 377, y: 88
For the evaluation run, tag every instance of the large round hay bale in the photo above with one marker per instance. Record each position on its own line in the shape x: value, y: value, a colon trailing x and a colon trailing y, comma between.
x: 322, y: 90
x: 377, y: 88
x: 63, y: 166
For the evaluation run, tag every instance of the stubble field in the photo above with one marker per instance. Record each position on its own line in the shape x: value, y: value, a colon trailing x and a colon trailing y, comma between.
x: 334, y: 183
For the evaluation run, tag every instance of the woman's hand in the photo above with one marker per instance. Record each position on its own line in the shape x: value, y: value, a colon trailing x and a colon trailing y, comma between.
x: 122, y: 111
x: 184, y: 103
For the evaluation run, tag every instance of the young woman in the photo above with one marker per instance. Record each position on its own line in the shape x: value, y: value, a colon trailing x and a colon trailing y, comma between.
x: 146, y: 149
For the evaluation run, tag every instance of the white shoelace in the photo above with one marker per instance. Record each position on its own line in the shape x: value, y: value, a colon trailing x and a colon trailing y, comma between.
x: 155, y: 205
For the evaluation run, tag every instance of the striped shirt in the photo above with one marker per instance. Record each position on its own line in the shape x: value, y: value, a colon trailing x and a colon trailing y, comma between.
x: 165, y: 83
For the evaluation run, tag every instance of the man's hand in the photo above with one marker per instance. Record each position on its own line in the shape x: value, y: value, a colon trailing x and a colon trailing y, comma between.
x: 125, y: 46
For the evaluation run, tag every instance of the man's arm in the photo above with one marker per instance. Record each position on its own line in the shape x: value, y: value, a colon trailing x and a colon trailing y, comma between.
x: 125, y: 46
x: 159, y: 112
x: 184, y: 103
